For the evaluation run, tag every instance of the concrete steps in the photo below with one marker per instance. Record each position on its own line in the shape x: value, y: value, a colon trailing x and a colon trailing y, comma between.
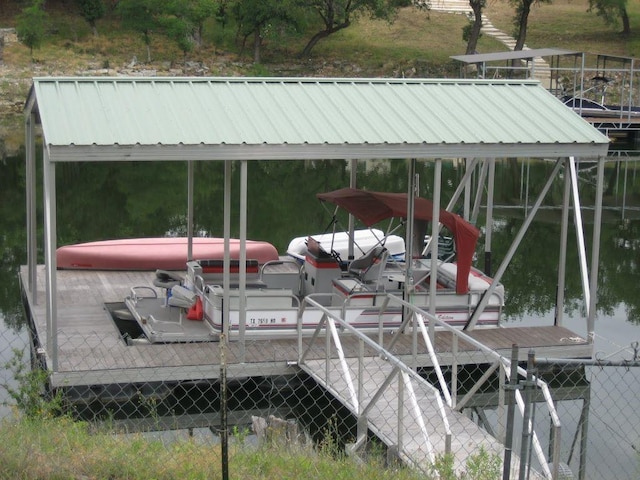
x: 541, y: 67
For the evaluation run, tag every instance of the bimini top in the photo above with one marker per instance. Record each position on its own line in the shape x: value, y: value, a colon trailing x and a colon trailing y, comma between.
x: 106, y: 119
x: 372, y: 207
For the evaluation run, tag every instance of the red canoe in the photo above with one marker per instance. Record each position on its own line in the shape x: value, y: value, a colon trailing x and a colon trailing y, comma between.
x: 168, y: 253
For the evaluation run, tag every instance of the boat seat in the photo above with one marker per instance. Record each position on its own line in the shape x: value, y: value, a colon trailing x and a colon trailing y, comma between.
x: 369, y: 267
x: 182, y: 297
x: 212, y: 271
x: 167, y: 280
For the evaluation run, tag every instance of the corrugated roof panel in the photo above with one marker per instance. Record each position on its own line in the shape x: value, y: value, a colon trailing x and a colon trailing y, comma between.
x: 335, y: 121
x: 292, y: 112
x: 510, y: 122
x: 408, y: 107
x: 247, y: 112
x: 548, y: 125
x: 425, y: 118
x: 377, y: 112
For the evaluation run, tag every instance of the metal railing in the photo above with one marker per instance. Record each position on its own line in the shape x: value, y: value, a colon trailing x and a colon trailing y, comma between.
x: 416, y: 323
x: 407, y: 378
x: 418, y: 316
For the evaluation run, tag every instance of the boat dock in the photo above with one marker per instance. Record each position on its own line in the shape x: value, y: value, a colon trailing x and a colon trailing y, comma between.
x: 94, y: 361
x: 601, y: 88
x: 91, y: 361
x: 91, y: 350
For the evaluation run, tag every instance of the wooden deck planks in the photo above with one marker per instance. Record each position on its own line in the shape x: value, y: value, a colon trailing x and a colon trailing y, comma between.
x: 92, y: 351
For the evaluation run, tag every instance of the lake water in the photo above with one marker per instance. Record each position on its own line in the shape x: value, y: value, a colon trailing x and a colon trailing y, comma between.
x: 99, y: 201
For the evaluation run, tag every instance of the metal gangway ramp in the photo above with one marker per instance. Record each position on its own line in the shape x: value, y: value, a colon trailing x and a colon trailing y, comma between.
x: 411, y: 416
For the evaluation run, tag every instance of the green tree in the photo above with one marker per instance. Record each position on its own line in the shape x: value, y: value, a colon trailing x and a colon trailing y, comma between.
x: 337, y: 15
x: 521, y: 19
x: 180, y: 30
x: 612, y: 11
x: 92, y: 11
x: 140, y: 16
x: 198, y: 12
x: 30, y: 25
x: 184, y: 21
x: 257, y: 17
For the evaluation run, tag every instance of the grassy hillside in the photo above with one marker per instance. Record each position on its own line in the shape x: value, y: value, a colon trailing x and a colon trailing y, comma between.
x: 416, y: 43
x: 568, y: 24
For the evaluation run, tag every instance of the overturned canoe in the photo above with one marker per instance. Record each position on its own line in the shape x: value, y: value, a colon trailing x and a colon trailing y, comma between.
x: 167, y: 253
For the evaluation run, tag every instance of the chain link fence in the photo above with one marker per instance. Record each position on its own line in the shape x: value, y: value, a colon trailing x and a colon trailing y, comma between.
x: 419, y: 401
x: 601, y: 425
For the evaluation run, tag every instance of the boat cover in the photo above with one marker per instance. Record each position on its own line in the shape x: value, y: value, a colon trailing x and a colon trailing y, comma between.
x: 372, y: 207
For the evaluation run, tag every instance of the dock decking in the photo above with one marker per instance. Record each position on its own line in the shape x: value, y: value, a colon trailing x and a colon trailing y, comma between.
x: 94, y: 362
x: 91, y: 350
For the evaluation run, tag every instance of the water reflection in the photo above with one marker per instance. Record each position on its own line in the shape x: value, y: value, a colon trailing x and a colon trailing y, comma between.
x: 114, y: 200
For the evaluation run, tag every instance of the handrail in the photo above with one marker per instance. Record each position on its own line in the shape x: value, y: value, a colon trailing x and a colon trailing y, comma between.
x: 407, y: 375
x: 331, y: 322
x: 134, y: 293
x: 506, y: 364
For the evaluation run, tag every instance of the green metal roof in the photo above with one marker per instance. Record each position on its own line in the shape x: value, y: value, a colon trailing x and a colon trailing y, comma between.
x: 89, y: 118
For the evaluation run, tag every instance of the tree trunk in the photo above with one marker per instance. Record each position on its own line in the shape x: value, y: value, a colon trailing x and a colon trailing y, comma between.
x: 312, y: 43
x: 147, y: 42
x: 320, y: 35
x: 198, y: 35
x: 257, y: 40
x: 626, y: 26
x: 522, y: 24
x: 472, y: 43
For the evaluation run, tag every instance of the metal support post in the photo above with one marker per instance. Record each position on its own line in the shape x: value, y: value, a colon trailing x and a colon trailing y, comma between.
x: 435, y: 229
x: 242, y: 290
x: 224, y: 437
x: 190, y: 168
x: 527, y: 420
x: 489, y: 221
x: 584, y: 417
x: 511, y: 407
x: 595, y: 252
x: 564, y: 233
x: 226, y: 277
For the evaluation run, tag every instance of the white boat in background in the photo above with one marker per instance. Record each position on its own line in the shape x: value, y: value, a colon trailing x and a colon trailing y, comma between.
x: 363, y: 241
x: 270, y: 304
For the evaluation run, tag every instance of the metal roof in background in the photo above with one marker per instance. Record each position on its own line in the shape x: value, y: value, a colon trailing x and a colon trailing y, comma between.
x: 513, y: 55
x: 103, y: 118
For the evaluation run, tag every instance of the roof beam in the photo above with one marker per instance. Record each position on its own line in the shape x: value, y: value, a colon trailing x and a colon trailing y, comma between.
x: 114, y: 153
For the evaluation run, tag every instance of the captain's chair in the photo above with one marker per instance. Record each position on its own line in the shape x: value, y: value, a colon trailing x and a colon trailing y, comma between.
x: 370, y: 266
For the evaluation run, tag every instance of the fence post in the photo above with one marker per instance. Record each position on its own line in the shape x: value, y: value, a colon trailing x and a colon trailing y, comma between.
x: 224, y: 437
x: 584, y: 428
x: 511, y: 405
x: 527, y: 419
